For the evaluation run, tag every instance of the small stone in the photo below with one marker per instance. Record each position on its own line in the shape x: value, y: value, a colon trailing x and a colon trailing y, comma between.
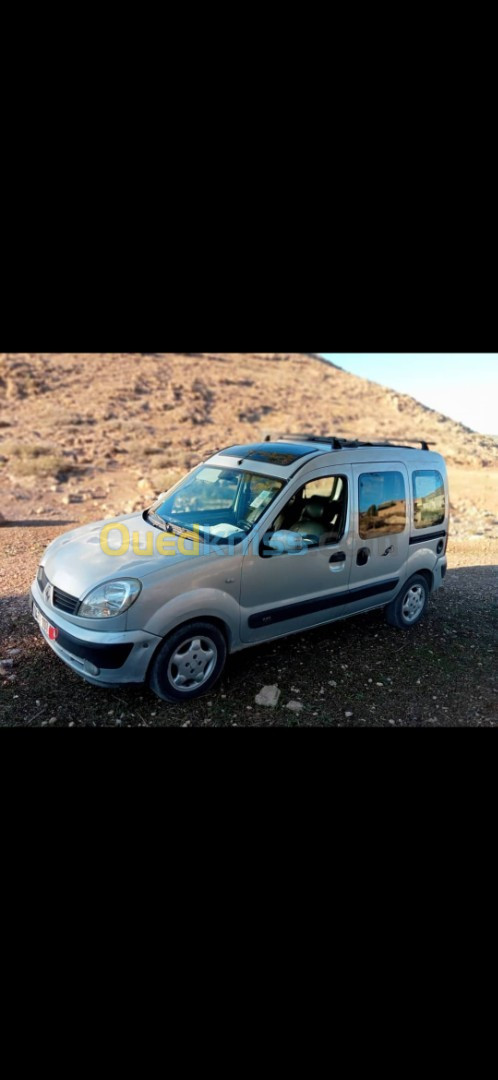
x: 5, y: 666
x: 72, y: 724
x: 333, y: 683
x: 295, y: 706
x: 348, y: 714
x: 268, y: 696
x: 52, y: 721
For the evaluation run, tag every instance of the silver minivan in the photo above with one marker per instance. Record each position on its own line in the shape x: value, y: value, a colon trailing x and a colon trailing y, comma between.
x: 258, y: 542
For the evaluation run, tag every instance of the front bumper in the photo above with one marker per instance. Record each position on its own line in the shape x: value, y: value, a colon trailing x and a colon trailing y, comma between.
x: 101, y: 657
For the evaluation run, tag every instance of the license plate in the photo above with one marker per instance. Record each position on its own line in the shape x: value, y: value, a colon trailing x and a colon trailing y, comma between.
x: 43, y: 623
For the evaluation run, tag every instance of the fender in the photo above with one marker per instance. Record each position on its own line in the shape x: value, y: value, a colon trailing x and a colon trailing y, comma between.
x: 198, y: 604
x: 422, y: 558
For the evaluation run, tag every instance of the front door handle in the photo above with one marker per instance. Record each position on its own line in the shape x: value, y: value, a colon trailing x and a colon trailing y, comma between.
x: 363, y: 556
x: 338, y: 556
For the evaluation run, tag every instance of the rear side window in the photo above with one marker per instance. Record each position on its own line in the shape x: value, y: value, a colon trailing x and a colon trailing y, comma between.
x: 382, y: 504
x: 429, y: 503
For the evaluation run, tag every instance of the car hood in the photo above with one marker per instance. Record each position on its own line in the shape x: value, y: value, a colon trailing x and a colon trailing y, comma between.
x: 76, y: 561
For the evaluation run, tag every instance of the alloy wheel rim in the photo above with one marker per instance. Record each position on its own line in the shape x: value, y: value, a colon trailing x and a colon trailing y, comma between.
x: 413, y: 603
x: 192, y: 663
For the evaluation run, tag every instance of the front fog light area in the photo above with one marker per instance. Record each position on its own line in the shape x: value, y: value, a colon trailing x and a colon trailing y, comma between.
x: 110, y: 599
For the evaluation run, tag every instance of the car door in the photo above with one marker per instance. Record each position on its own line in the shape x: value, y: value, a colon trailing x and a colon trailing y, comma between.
x: 282, y: 592
x: 380, y: 533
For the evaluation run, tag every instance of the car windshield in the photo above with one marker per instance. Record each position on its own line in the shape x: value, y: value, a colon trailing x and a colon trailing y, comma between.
x: 219, y: 503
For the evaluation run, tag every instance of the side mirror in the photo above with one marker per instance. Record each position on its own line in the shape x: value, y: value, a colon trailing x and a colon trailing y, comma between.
x: 284, y: 542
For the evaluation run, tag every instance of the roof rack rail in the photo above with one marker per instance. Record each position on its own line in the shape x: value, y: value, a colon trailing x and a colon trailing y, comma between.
x: 356, y: 444
x: 336, y: 442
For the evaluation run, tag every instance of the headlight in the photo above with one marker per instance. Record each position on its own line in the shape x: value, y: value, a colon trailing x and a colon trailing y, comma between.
x: 111, y: 598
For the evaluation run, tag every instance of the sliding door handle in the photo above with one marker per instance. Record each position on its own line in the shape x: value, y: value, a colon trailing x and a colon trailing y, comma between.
x: 363, y: 556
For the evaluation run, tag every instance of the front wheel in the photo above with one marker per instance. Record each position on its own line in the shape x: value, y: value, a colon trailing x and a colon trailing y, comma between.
x: 189, y: 662
x: 410, y: 605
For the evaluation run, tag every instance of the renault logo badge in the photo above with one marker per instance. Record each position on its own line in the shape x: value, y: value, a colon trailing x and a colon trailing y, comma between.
x: 48, y: 594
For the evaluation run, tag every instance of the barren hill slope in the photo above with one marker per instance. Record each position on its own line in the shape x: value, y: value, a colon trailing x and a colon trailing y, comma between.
x: 109, y: 429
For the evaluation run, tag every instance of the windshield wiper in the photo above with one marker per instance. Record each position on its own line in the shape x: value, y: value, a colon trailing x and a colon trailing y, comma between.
x: 185, y: 530
x: 155, y: 519
x: 169, y: 526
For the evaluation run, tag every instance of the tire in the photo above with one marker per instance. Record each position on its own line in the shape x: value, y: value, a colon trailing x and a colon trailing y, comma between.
x: 188, y: 663
x: 410, y: 605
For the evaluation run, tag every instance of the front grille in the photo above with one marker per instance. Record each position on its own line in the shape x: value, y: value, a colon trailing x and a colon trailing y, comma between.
x: 62, y: 600
x: 65, y: 601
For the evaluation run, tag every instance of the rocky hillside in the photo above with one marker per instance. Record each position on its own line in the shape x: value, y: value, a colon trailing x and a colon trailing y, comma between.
x: 103, y: 432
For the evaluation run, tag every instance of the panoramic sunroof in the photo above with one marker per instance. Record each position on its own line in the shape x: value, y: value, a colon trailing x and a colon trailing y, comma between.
x: 270, y: 453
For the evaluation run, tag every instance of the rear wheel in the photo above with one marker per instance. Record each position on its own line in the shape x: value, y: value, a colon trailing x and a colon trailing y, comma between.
x: 189, y: 662
x: 410, y: 605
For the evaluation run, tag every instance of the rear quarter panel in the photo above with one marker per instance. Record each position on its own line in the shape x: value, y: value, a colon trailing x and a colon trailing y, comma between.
x: 427, y: 546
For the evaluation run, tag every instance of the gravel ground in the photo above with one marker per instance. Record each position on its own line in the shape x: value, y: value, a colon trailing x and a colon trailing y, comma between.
x: 359, y: 672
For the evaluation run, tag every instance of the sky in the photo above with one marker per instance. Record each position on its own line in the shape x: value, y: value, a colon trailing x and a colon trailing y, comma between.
x: 463, y: 386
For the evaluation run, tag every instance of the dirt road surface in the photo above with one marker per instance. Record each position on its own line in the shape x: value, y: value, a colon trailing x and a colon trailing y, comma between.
x: 359, y: 672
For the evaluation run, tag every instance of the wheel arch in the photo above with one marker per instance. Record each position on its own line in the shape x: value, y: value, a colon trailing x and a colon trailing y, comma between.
x: 428, y: 575
x: 215, y: 620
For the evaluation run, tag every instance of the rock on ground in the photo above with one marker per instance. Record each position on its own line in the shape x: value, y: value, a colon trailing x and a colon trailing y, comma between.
x: 268, y: 696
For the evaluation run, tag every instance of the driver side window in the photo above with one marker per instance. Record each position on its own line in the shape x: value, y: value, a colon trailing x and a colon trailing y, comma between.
x: 317, y: 511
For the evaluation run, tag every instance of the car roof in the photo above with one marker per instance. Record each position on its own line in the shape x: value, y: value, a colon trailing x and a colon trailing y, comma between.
x: 286, y: 456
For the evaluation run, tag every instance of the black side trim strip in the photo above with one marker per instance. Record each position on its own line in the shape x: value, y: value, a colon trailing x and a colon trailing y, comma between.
x: 428, y: 536
x: 322, y: 603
